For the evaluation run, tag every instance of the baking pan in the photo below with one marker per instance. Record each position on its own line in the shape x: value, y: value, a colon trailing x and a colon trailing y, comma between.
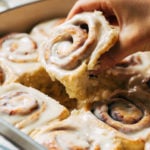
x: 23, y: 18
x: 17, y: 138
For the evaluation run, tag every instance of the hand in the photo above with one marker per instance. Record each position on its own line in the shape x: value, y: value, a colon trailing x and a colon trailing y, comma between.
x: 133, y: 19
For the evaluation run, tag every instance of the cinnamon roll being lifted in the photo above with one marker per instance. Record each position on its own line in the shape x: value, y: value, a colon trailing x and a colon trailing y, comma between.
x: 27, y: 108
x: 74, y: 48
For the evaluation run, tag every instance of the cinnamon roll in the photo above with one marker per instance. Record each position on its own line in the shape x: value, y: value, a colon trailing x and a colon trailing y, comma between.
x: 132, y: 70
x: 81, y: 130
x: 42, y: 31
x: 19, y: 50
x: 74, y: 48
x: 27, y: 108
x: 126, y: 111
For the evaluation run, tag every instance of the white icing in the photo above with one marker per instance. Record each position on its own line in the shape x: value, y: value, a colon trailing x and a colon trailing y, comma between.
x: 42, y: 31
x: 19, y: 48
x: 81, y: 129
x: 48, y: 109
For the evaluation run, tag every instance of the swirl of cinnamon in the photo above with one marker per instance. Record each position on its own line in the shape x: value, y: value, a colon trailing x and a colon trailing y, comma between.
x: 18, y: 48
x: 123, y: 113
x: 27, y: 108
x: 17, y: 103
x: 81, y: 39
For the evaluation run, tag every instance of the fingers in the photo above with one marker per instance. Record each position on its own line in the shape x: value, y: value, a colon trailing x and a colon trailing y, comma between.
x: 130, y: 24
x: 75, y: 10
x: 79, y: 7
x: 92, y: 5
x: 115, y: 55
x: 110, y: 58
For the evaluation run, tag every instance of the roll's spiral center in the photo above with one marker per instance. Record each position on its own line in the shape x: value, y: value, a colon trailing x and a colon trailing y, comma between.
x: 125, y: 112
x: 18, y: 48
x: 22, y: 45
x: 18, y: 103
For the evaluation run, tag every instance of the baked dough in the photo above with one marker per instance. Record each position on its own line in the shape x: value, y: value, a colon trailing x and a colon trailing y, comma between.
x: 121, y: 122
x: 82, y: 130
x: 20, y: 63
x: 42, y: 31
x: 133, y: 70
x: 27, y: 108
x: 19, y: 50
x: 126, y: 111
x: 118, y: 120
x: 73, y: 50
x: 20, y: 53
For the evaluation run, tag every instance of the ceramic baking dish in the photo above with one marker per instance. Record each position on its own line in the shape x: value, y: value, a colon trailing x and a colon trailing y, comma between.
x: 23, y: 18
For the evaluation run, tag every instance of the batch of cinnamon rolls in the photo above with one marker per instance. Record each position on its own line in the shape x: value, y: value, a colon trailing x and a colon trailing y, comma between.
x: 48, y: 90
